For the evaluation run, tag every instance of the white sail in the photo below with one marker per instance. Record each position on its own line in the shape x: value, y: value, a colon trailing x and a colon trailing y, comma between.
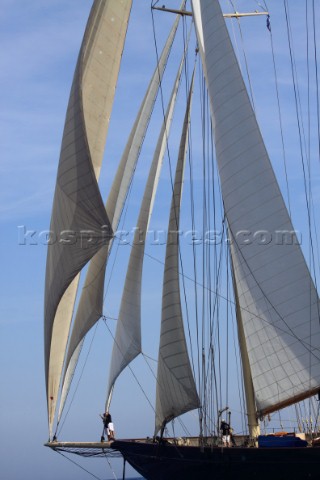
x: 277, y: 298
x: 127, y: 341
x: 91, y: 300
x: 176, y: 390
x: 79, y: 221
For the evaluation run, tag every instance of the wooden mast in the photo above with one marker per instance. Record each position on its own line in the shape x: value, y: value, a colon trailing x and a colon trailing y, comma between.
x: 253, y: 423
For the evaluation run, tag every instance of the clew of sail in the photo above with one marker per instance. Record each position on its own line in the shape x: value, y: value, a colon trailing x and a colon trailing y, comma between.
x: 91, y: 301
x: 78, y: 210
x: 127, y: 341
x: 176, y: 390
x: 279, y: 305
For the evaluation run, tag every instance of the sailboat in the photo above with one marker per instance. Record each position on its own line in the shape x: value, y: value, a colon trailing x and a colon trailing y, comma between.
x: 275, y: 299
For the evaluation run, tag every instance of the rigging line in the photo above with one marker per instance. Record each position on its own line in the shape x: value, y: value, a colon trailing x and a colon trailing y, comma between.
x: 245, y: 58
x: 155, y: 377
x: 309, y: 177
x: 280, y: 120
x: 318, y: 110
x: 123, y: 218
x: 78, y: 465
x: 150, y: 358
x: 301, y: 131
x: 203, y: 364
x: 171, y: 181
x: 316, y: 73
x: 132, y: 372
x: 215, y: 312
x: 181, y: 265
x: 210, y: 193
x: 110, y: 466
x: 216, y: 196
x: 227, y: 334
x: 206, y: 254
x: 78, y: 383
x: 192, y: 208
x: 294, y: 73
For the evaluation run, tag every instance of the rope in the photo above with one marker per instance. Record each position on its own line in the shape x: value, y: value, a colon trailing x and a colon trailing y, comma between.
x: 78, y: 465
x: 245, y: 57
x: 78, y: 383
x: 110, y: 466
x: 280, y: 118
x: 132, y: 372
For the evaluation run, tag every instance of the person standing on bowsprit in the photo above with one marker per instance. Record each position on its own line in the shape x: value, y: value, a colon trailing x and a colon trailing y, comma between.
x: 225, y: 429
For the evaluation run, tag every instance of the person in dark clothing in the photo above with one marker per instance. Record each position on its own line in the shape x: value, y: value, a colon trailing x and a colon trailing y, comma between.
x: 108, y: 425
x: 225, y: 429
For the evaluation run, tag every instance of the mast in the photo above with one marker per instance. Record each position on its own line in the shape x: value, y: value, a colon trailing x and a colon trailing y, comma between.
x: 253, y: 423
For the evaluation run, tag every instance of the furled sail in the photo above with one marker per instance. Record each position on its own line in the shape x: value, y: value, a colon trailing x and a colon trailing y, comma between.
x: 79, y: 220
x: 277, y: 298
x: 127, y: 341
x: 91, y: 301
x: 176, y: 389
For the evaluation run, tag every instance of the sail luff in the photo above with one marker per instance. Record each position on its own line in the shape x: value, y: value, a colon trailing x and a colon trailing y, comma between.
x: 78, y: 215
x: 127, y: 341
x: 176, y: 390
x: 278, y: 301
x: 90, y: 307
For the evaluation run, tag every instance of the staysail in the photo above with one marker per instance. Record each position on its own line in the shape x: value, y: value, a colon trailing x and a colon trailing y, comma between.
x: 278, y: 301
x: 79, y: 220
x: 127, y: 342
x: 176, y: 389
x: 91, y: 301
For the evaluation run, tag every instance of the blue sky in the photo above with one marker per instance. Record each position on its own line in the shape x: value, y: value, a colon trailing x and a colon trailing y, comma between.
x: 39, y: 46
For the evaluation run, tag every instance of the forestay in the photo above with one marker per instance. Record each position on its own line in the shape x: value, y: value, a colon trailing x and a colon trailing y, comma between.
x: 176, y: 390
x: 277, y: 298
x: 78, y: 210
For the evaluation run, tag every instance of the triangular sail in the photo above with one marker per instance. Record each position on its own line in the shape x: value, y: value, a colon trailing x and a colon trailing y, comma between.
x: 91, y: 300
x: 176, y: 390
x: 79, y: 221
x: 127, y: 341
x: 278, y: 300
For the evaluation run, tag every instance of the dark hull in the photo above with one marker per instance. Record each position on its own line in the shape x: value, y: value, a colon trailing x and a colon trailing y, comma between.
x: 171, y: 462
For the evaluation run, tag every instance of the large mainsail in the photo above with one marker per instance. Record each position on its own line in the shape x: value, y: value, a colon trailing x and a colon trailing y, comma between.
x: 127, y: 341
x: 176, y: 390
x: 79, y: 220
x: 277, y: 298
x: 91, y: 301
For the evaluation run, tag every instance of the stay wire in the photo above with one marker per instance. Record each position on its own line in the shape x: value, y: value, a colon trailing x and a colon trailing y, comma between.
x: 245, y: 57
x: 78, y: 465
x: 300, y: 129
x: 58, y: 427
x: 275, y: 70
x: 132, y: 372
x: 316, y: 72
